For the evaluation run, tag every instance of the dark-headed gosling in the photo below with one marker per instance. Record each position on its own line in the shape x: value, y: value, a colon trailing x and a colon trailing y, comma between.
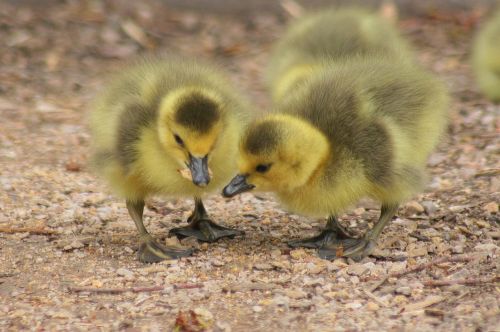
x: 361, y: 128
x: 168, y: 126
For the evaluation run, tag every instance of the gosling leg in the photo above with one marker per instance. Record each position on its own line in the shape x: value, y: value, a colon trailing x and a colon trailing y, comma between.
x: 357, y: 249
x: 151, y: 251
x: 202, y: 227
x: 330, y: 235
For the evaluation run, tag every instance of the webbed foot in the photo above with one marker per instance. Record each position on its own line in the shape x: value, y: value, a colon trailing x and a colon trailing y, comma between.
x: 356, y: 249
x: 151, y: 251
x: 205, y: 230
x: 335, y: 242
x: 316, y: 242
x: 202, y: 227
x: 332, y: 233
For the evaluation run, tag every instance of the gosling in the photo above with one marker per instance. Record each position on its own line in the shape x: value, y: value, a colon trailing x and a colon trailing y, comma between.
x: 486, y: 58
x: 162, y: 127
x: 358, y: 128
x: 330, y: 35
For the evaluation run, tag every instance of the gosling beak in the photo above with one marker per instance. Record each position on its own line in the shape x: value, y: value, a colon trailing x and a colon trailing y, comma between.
x: 237, y: 185
x: 199, y: 170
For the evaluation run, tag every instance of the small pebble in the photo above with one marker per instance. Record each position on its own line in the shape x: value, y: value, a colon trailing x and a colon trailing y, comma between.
x: 124, y: 272
x: 400, y: 299
x: 275, y: 253
x: 489, y: 247
x: 372, y: 306
x: 359, y: 211
x: 404, y: 290
x: 263, y: 266
x: 458, y: 249
x: 190, y: 242
x: 353, y: 305
x: 257, y: 308
x: 295, y: 294
x: 429, y: 207
x: 298, y: 254
x: 413, y: 207
x: 357, y: 269
x: 281, y: 300
x: 491, y: 207
x: 315, y: 269
x: 216, y: 262
x: 204, y: 315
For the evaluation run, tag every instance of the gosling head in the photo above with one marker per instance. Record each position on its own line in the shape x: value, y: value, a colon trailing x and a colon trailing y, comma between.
x: 280, y: 153
x: 190, y: 122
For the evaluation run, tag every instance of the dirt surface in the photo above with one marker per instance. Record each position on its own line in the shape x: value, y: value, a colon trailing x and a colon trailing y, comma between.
x: 61, y: 229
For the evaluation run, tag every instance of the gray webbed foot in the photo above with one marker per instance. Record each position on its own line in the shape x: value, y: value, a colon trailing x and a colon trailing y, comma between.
x: 151, y: 251
x: 203, y: 228
x: 315, y: 242
x: 335, y: 242
x: 332, y: 233
x: 356, y: 249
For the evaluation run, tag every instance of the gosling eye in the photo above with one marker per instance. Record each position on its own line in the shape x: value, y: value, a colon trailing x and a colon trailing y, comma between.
x: 178, y: 140
x: 262, y: 168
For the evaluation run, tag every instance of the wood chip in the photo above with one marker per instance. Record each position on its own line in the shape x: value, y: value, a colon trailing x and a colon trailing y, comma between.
x: 249, y: 286
x: 31, y: 230
x: 135, y: 32
x: 186, y: 173
x: 488, y: 172
x: 293, y: 8
x: 430, y: 300
x: 374, y: 298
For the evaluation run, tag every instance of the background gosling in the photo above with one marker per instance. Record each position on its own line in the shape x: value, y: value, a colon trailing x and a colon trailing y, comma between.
x: 329, y: 35
x: 486, y: 58
x: 162, y: 127
x: 363, y: 127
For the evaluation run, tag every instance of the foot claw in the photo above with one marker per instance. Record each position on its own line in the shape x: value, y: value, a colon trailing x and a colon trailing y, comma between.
x: 205, y: 230
x: 151, y: 251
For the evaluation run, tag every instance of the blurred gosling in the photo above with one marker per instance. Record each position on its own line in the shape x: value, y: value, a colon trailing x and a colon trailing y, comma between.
x: 486, y: 58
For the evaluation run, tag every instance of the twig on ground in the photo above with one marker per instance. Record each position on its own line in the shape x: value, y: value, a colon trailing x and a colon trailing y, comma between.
x: 430, y: 300
x: 468, y: 281
x: 130, y: 289
x: 188, y: 286
x: 115, y: 290
x: 374, y: 298
x: 488, y: 172
x: 420, y: 267
x: 141, y: 301
x: 31, y: 230
x: 377, y: 284
x: 7, y: 275
x: 419, y: 237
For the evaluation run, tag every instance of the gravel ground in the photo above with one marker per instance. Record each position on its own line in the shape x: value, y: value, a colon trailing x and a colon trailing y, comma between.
x: 61, y: 230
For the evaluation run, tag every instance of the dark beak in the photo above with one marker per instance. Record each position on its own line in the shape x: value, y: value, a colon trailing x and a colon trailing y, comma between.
x: 199, y: 170
x: 237, y: 185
